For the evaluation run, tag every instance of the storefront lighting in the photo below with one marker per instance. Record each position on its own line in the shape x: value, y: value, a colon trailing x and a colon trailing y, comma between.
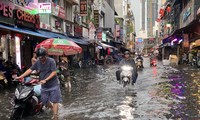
x: 181, y: 40
x: 193, y: 43
x: 168, y: 25
x: 17, y: 50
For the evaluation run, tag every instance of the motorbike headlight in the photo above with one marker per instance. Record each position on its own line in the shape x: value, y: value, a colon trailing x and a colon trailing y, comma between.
x: 17, y: 93
x: 127, y: 68
x: 25, y: 94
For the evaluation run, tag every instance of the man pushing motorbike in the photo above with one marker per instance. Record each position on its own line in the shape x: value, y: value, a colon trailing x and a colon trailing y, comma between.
x: 128, y: 61
x: 50, y: 91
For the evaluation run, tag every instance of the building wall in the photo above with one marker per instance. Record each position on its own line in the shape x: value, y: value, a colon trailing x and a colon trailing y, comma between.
x: 142, y: 4
x: 119, y: 7
x: 109, y: 17
x: 152, y: 8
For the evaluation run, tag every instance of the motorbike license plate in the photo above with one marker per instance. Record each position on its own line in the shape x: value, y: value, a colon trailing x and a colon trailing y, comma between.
x: 14, y: 76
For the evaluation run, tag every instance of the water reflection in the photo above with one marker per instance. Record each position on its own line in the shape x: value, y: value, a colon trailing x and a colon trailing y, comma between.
x: 184, y: 92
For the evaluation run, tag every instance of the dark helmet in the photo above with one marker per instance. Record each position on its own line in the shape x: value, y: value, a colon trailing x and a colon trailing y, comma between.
x: 41, y: 52
x: 126, y: 52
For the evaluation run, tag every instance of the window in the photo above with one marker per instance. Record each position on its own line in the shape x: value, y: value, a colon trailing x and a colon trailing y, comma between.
x: 44, y: 18
x: 56, y: 2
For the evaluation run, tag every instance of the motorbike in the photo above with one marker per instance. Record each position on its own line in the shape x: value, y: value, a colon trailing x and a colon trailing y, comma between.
x: 153, y: 63
x: 139, y: 63
x: 126, y: 75
x: 27, y: 98
x: 3, y: 80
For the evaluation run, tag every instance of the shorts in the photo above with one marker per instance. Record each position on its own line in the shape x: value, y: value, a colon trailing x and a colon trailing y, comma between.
x: 53, y: 96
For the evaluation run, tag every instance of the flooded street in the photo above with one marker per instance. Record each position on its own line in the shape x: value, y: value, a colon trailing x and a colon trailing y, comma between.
x: 160, y: 93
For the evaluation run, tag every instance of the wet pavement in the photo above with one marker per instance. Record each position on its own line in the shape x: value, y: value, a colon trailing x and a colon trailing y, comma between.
x: 161, y: 93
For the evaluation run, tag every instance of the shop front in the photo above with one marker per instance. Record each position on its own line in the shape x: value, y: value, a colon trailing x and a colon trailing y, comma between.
x: 18, y: 33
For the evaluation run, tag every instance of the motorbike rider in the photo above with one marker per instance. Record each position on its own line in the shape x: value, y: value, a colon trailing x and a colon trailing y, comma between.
x: 127, y: 60
x: 50, y: 91
x: 139, y: 57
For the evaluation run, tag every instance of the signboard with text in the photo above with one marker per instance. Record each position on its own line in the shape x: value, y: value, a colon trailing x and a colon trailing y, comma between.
x: 58, y: 11
x: 23, y: 18
x: 187, y: 14
x: 6, y: 12
x: 44, y: 8
x: 83, y: 7
x: 77, y: 31
x: 96, y: 18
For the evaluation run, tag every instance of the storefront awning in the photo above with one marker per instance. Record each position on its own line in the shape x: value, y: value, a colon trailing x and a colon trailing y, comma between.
x: 90, y: 40
x: 24, y: 31
x: 106, y: 46
x: 79, y: 41
x: 52, y: 34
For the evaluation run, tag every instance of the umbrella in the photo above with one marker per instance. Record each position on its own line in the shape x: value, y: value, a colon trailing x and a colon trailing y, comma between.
x: 57, y: 46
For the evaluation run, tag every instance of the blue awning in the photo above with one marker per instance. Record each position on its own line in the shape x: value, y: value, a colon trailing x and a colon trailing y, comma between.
x: 52, y: 34
x: 79, y: 41
x: 20, y: 30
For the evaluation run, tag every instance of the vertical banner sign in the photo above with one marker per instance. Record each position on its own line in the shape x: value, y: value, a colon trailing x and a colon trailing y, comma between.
x: 83, y: 7
x: 185, y: 40
x: 96, y: 18
x: 17, y: 50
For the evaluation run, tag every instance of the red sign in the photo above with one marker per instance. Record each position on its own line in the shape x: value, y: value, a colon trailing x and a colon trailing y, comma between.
x: 77, y: 31
x: 6, y: 10
x: 58, y: 11
x: 117, y: 31
x: 99, y: 35
x: 83, y: 7
x: 26, y: 19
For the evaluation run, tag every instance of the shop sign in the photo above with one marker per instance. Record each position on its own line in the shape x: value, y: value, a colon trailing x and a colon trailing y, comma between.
x: 6, y: 12
x: 44, y: 8
x: 23, y: 2
x: 57, y: 24
x: 186, y: 14
x: 45, y: 26
x: 85, y: 32
x: 99, y: 35
x: 58, y: 11
x: 104, y: 36
x: 117, y: 31
x: 23, y: 18
x: 83, y: 7
x: 91, y: 31
x: 68, y: 29
x: 186, y: 41
x: 77, y: 31
x: 96, y: 18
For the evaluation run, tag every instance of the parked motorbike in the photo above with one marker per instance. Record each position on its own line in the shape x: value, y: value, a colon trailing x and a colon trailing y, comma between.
x: 3, y: 80
x: 27, y: 98
x: 139, y: 64
x: 126, y: 75
x: 153, y: 63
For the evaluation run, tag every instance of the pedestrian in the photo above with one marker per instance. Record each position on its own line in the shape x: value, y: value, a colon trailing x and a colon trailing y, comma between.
x: 64, y: 70
x: 34, y: 58
x: 184, y: 58
x: 50, y: 90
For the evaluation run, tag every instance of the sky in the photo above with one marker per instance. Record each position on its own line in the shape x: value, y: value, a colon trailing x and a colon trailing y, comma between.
x: 135, y: 5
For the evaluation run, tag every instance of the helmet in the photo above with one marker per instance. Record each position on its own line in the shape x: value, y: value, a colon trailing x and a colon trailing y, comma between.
x: 126, y: 52
x: 41, y: 52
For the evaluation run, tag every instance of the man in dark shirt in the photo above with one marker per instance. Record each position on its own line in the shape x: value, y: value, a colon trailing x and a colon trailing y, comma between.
x: 130, y: 62
x: 50, y: 92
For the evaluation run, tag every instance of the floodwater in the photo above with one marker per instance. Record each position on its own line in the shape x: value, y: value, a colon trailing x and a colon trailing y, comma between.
x: 161, y: 93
